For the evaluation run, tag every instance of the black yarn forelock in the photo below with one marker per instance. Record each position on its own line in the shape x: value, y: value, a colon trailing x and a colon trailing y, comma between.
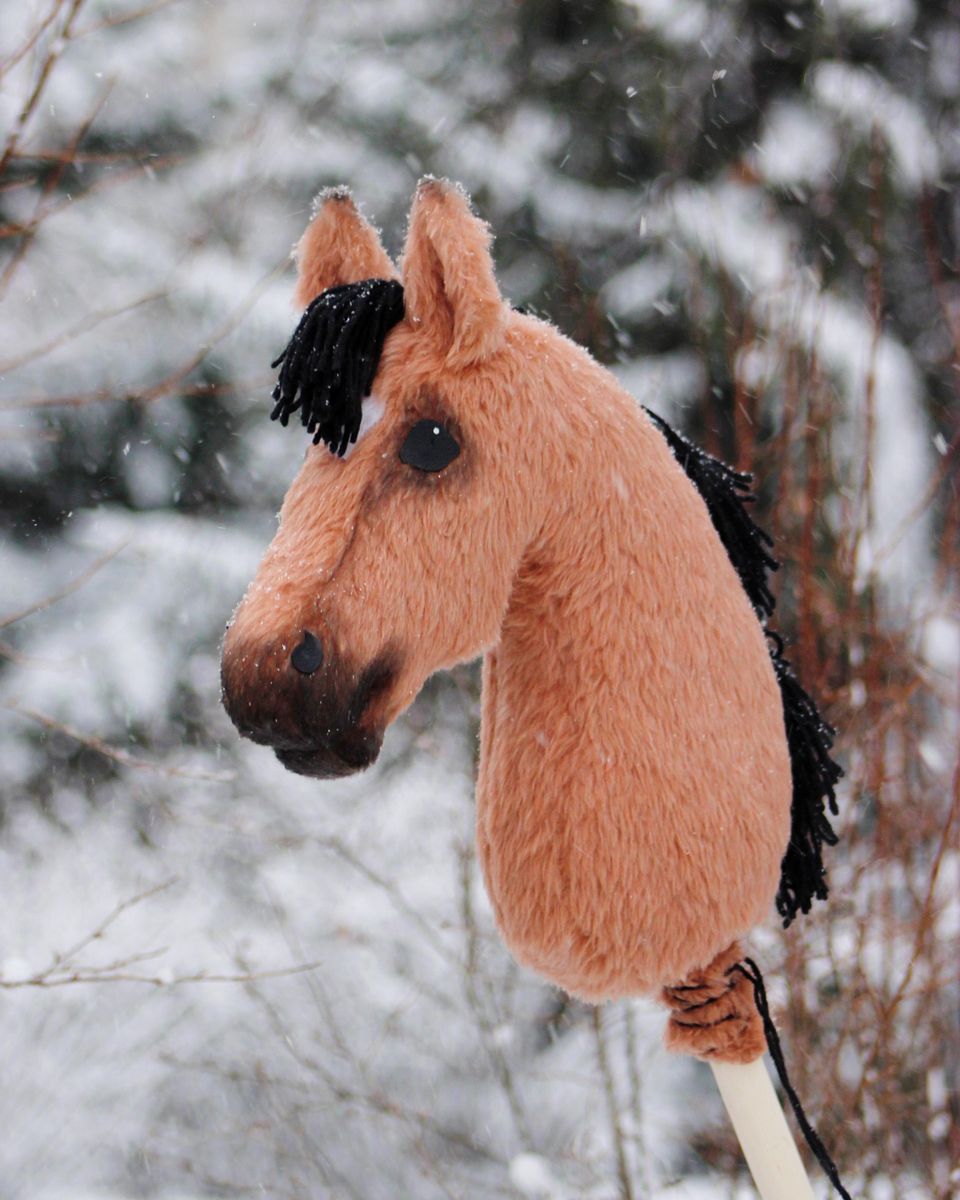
x: 328, y: 366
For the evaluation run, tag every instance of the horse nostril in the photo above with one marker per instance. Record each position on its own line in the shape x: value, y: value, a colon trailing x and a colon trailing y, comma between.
x: 308, y: 655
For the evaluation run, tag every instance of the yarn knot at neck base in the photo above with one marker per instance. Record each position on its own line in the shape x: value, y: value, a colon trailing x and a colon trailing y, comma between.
x: 714, y: 1014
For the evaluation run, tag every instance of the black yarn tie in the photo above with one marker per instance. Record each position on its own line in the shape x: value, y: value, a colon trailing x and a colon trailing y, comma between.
x: 749, y: 969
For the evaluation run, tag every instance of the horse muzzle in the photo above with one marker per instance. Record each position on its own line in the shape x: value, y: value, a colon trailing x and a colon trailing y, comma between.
x: 330, y: 762
x: 300, y: 698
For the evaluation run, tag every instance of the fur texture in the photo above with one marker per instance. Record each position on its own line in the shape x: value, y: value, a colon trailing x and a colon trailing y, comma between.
x: 714, y: 1014
x: 339, y: 246
x: 633, y: 801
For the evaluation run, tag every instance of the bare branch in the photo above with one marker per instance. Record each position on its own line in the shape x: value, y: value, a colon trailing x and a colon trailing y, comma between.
x: 399, y: 901
x: 28, y: 229
x: 31, y: 40
x: 176, y: 377
x: 125, y: 18
x: 375, y: 1100
x: 114, y: 753
x: 636, y: 1097
x: 84, y: 325
x: 142, y: 396
x: 12, y: 654
x: 30, y: 435
x: 613, y: 1106
x: 64, y: 971
x: 111, y: 975
x: 74, y: 585
x: 67, y: 956
x: 30, y: 105
x: 49, y: 187
x: 102, y: 396
x: 494, y: 1051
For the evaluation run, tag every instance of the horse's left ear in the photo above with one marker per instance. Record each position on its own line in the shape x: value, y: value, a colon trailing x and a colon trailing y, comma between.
x: 450, y: 292
x: 338, y: 247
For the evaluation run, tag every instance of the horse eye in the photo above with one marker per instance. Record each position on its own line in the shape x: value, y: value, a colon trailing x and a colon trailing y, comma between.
x: 428, y: 447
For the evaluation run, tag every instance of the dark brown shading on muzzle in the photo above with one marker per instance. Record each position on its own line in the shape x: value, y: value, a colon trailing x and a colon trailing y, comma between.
x: 318, y: 723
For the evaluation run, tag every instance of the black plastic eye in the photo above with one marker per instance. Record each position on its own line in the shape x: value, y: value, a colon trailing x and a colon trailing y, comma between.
x: 428, y: 447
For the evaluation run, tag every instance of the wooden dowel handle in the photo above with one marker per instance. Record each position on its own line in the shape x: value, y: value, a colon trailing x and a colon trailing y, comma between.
x: 762, y: 1129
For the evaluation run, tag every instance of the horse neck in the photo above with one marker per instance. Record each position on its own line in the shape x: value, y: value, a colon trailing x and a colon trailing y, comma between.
x: 634, y: 789
x: 567, y: 635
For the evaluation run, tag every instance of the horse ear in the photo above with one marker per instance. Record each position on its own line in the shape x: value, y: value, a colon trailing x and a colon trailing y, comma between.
x: 450, y: 291
x: 339, y: 246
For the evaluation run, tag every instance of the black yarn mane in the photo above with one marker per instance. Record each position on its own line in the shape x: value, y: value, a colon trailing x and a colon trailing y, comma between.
x: 328, y: 365
x: 726, y: 494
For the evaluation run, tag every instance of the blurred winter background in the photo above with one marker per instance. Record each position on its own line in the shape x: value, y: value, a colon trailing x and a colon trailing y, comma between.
x: 217, y: 979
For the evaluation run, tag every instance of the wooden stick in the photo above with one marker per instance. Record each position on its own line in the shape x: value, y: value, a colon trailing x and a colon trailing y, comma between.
x: 761, y: 1126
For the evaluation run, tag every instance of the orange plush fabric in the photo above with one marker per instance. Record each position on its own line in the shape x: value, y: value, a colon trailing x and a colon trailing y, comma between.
x: 714, y: 1014
x: 633, y: 802
x: 337, y: 249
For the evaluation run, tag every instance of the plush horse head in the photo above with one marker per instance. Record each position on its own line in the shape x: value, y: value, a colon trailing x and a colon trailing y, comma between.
x: 497, y: 493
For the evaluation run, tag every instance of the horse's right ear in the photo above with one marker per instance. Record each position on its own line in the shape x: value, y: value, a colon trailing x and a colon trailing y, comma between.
x: 339, y: 246
x: 450, y: 292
